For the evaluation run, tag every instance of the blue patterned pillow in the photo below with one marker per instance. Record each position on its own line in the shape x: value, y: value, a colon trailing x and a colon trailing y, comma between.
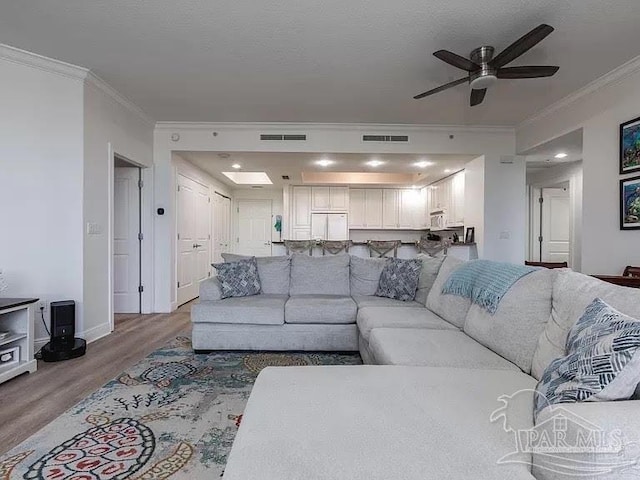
x: 238, y: 279
x: 602, y: 361
x: 399, y: 279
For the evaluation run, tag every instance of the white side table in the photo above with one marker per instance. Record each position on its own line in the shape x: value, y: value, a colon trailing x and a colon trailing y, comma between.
x: 16, y: 337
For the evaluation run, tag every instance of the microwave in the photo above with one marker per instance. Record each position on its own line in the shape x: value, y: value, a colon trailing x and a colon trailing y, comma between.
x: 438, y: 220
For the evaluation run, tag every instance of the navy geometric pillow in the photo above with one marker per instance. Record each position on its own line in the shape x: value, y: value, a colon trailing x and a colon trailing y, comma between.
x: 602, y: 361
x: 238, y: 279
x: 399, y: 279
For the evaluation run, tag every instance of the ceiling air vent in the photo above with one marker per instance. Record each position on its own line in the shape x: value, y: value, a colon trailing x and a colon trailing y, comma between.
x: 285, y: 137
x: 285, y: 177
x: 385, y: 138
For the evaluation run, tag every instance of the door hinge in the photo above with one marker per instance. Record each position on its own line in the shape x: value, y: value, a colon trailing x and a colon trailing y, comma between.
x: 140, y: 184
x: 209, y: 236
x: 141, y: 236
x: 178, y: 236
x: 237, y: 209
x: 238, y: 240
x: 209, y: 199
x: 540, y: 200
x: 178, y: 284
x: 540, y: 239
x: 208, y: 274
x: 178, y: 187
x: 140, y: 289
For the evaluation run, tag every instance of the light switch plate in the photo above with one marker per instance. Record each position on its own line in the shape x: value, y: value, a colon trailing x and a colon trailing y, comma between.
x: 94, y: 229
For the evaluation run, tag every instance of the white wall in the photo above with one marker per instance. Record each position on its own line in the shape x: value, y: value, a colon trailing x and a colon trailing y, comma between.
x: 495, y: 204
x: 111, y: 125
x: 599, y: 110
x: 41, y: 182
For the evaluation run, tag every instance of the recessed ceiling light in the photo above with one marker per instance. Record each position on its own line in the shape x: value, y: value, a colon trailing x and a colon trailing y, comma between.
x: 375, y: 163
x: 561, y: 155
x: 423, y: 164
x: 248, y: 178
x: 447, y: 170
x: 325, y: 162
x: 236, y: 166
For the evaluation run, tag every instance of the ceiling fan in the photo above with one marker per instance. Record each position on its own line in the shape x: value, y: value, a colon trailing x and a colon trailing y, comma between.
x: 484, y: 69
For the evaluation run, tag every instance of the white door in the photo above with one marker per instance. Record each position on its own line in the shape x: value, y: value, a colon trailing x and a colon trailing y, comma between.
x: 194, y: 228
x: 555, y: 231
x: 126, y: 246
x: 254, y: 227
x: 221, y: 212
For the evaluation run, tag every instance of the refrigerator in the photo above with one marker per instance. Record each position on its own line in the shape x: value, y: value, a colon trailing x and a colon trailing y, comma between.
x: 329, y: 226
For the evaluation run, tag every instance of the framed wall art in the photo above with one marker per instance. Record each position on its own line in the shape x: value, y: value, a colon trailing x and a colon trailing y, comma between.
x: 630, y: 146
x: 630, y: 203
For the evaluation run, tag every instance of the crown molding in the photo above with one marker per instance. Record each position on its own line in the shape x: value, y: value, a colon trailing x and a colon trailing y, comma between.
x: 363, y: 127
x: 95, y: 81
x: 616, y: 75
x: 40, y: 62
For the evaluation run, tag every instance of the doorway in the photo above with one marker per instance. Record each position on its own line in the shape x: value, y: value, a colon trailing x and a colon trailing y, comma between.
x: 551, y: 232
x: 194, y: 237
x: 127, y: 237
x: 254, y: 227
x: 221, y: 223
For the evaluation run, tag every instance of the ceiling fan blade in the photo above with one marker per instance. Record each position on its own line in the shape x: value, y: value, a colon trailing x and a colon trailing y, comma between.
x: 527, y: 72
x: 477, y: 96
x: 456, y: 60
x: 521, y: 45
x: 442, y: 87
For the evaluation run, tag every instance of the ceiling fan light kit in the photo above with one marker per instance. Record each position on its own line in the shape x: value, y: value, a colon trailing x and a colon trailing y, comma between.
x: 484, y: 70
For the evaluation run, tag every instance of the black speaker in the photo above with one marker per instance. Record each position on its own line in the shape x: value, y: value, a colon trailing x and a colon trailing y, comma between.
x: 63, y: 322
x: 63, y: 345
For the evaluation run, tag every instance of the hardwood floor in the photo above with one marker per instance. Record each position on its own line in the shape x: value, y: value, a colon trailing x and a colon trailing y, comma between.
x: 30, y: 401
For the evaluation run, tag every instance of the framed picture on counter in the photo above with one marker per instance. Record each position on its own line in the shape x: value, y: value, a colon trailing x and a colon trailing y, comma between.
x: 470, y: 236
x: 630, y: 203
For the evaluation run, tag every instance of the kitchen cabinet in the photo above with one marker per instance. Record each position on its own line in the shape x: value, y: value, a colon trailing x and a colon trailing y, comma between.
x: 410, y: 209
x: 390, y: 209
x: 455, y: 213
x: 329, y: 199
x: 365, y: 208
x: 301, y: 213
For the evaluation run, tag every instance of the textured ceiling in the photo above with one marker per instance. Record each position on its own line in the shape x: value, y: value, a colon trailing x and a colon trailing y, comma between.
x: 322, y: 61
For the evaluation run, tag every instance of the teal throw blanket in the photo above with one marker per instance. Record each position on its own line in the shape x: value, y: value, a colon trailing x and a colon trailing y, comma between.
x: 485, y: 282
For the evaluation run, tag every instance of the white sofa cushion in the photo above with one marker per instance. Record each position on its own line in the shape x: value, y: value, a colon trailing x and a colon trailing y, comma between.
x: 572, y: 293
x: 373, y: 301
x: 432, y: 348
x: 396, y: 317
x: 380, y: 423
x: 258, y: 310
x: 452, y: 308
x: 327, y: 275
x: 365, y: 275
x: 274, y: 272
x: 513, y: 330
x: 320, y: 309
x: 428, y: 274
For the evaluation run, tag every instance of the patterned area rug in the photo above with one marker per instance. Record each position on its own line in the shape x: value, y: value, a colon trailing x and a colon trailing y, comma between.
x: 173, y: 415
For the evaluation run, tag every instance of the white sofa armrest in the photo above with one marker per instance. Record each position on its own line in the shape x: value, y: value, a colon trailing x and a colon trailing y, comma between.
x: 210, y: 290
x: 594, y: 440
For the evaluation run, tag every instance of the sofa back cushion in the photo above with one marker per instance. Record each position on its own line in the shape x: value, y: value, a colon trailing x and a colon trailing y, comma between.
x: 450, y: 307
x: 572, y: 293
x: 327, y: 275
x: 274, y: 272
x: 428, y: 274
x: 365, y: 275
x: 523, y: 312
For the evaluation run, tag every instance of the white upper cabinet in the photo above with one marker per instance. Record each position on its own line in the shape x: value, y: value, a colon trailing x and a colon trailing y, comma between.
x: 301, y: 208
x: 390, y: 209
x: 329, y: 199
x: 455, y: 217
x: 365, y: 208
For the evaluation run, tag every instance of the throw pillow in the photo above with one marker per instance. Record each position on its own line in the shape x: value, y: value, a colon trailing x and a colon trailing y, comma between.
x: 428, y: 273
x: 365, y: 275
x: 602, y: 361
x: 399, y: 279
x: 274, y: 272
x: 238, y: 279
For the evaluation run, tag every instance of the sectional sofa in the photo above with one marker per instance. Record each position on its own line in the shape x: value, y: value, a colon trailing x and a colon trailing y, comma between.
x: 447, y: 392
